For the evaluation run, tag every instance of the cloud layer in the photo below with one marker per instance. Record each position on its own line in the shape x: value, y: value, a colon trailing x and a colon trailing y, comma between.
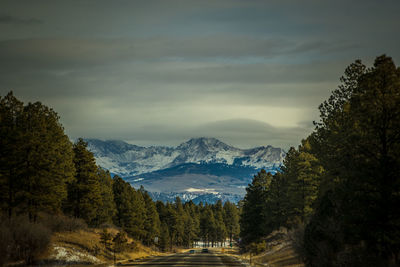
x: 157, y: 72
x: 7, y: 19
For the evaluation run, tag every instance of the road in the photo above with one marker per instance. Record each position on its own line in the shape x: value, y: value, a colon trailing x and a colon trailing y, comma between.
x: 188, y: 260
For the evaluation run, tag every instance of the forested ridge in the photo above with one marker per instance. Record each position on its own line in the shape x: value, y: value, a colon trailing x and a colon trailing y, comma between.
x: 44, y: 176
x: 339, y: 191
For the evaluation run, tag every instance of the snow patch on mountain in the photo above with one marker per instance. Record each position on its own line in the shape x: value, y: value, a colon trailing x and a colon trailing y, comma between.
x: 127, y: 160
x: 198, y: 190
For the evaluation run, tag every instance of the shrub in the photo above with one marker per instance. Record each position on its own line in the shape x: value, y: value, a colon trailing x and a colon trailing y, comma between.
x: 133, y: 246
x: 107, y: 225
x: 30, y: 239
x: 105, y: 238
x: 62, y: 223
x: 120, y: 242
x: 23, y: 240
x: 257, y: 248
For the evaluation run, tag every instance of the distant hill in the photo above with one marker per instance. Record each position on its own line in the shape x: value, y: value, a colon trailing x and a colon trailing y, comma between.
x: 195, y: 169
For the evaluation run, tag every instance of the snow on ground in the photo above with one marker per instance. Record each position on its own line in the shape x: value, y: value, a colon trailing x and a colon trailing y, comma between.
x: 72, y: 255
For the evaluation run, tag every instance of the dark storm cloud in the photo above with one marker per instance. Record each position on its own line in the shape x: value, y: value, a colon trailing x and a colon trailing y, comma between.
x: 182, y: 82
x: 256, y: 132
x: 244, y: 133
x: 159, y: 72
x: 7, y: 19
x: 76, y: 53
x: 61, y: 53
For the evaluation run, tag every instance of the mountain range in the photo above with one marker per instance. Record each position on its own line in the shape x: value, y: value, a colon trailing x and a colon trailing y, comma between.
x: 203, y: 169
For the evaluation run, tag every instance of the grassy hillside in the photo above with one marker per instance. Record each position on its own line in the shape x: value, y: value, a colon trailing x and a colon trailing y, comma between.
x: 279, y: 252
x: 84, y: 246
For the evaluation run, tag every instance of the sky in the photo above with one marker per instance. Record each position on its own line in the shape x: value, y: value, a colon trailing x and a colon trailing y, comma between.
x: 249, y: 73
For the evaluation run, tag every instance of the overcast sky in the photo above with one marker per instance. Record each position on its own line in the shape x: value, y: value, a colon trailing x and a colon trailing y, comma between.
x: 159, y: 72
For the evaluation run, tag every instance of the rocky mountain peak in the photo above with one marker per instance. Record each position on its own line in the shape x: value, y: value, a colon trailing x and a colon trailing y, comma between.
x: 100, y: 147
x: 128, y: 160
x: 204, y: 143
x: 203, y: 168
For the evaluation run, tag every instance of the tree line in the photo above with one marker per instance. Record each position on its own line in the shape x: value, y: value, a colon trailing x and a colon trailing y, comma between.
x: 341, y: 187
x: 43, y: 172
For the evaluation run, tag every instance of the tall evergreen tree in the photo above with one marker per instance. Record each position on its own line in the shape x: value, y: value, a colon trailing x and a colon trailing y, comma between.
x: 231, y: 220
x: 106, y: 238
x: 11, y: 154
x: 131, y: 213
x: 302, y: 172
x: 107, y: 211
x: 178, y: 228
x: 164, y: 237
x: 192, y: 223
x: 152, y: 222
x: 137, y: 223
x: 220, y: 229
x: 84, y: 196
x: 188, y: 231
x: 278, y: 201
x: 207, y: 225
x: 39, y: 162
x: 358, y: 144
x: 255, y: 215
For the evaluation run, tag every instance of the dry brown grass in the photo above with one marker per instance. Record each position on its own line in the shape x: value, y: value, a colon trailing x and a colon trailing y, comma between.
x: 279, y: 253
x: 283, y: 257
x: 82, y: 239
x: 88, y: 241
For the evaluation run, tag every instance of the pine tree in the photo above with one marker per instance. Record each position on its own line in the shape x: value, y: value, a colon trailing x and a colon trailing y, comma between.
x: 188, y: 231
x: 11, y: 154
x: 120, y: 241
x: 130, y: 205
x: 220, y: 229
x: 48, y: 158
x: 84, y: 196
x: 207, y: 225
x: 231, y: 220
x: 255, y: 213
x: 302, y: 172
x: 152, y: 222
x: 192, y: 223
x: 164, y: 237
x: 105, y: 238
x: 136, y: 225
x: 178, y: 228
x: 122, y: 204
x: 39, y: 162
x: 278, y: 201
x: 107, y: 211
x: 358, y: 143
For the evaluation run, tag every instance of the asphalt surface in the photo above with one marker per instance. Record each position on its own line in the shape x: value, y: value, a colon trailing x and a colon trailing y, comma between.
x: 188, y: 260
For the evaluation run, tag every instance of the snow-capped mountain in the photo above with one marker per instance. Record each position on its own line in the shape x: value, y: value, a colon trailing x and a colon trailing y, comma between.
x: 201, y: 169
x: 128, y: 160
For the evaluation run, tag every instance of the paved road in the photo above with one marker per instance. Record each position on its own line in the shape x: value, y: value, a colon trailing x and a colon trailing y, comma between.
x: 189, y: 260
